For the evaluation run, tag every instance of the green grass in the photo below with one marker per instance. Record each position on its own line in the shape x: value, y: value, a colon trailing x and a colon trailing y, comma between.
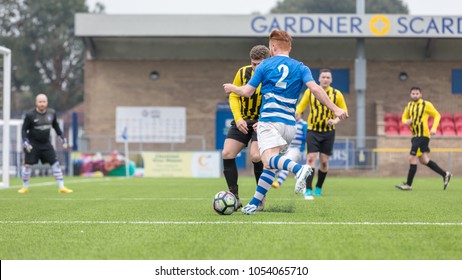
x: 164, y: 219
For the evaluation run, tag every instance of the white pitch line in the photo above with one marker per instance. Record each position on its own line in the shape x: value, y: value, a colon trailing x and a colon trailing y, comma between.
x: 229, y: 222
x: 71, y: 182
x: 115, y: 199
x: 135, y: 199
x: 132, y: 199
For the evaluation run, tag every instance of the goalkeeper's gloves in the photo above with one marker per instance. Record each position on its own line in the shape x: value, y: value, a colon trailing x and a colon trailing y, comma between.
x: 27, y: 146
x: 64, y: 142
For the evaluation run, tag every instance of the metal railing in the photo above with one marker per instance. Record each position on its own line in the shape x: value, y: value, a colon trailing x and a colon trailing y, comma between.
x: 106, y: 144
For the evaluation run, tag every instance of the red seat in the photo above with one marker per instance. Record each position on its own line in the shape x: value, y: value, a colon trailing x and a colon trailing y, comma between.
x: 404, y: 129
x: 439, y: 131
x: 391, y: 117
x: 458, y: 122
x: 448, y: 131
x: 459, y: 129
x: 430, y: 121
x: 446, y: 117
x: 391, y: 127
x: 458, y: 117
x: 391, y: 130
x: 391, y: 123
x: 447, y: 125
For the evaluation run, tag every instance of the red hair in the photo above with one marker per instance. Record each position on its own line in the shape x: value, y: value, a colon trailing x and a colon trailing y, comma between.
x: 282, y: 39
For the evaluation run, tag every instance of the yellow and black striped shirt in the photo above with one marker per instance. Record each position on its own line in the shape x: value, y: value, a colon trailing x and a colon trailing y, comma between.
x: 247, y: 108
x: 418, y: 112
x: 320, y: 114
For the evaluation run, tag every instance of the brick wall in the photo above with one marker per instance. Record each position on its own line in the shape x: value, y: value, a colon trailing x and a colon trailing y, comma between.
x: 198, y: 86
x: 397, y: 164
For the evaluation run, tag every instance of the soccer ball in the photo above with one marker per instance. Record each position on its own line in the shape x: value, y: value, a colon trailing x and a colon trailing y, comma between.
x: 224, y: 203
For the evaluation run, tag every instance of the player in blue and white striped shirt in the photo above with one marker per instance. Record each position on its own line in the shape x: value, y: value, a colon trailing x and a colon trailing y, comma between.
x: 282, y: 79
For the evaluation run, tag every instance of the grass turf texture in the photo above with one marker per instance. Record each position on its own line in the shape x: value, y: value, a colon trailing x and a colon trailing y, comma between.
x: 163, y: 219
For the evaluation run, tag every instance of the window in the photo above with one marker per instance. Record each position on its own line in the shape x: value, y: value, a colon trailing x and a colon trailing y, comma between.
x: 456, y: 77
x: 340, y: 77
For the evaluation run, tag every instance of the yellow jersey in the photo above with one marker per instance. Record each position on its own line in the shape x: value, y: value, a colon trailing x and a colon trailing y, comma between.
x: 247, y: 108
x: 419, y: 111
x: 319, y: 113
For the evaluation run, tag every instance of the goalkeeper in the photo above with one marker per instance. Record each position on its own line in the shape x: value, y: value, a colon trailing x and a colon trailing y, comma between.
x: 36, y: 142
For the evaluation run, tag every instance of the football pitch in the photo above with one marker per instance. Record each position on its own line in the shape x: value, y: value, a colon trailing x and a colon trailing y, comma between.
x: 172, y: 219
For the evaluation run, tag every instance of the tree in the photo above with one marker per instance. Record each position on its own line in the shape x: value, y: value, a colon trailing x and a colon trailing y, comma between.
x: 336, y: 6
x: 47, y: 57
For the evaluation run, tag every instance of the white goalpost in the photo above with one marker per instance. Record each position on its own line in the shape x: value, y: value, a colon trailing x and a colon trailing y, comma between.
x: 6, y: 116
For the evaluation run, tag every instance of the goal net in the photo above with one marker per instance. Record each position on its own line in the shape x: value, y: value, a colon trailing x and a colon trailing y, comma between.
x: 5, y: 110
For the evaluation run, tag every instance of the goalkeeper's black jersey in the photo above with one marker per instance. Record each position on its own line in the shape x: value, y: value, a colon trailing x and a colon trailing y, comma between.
x: 36, y: 127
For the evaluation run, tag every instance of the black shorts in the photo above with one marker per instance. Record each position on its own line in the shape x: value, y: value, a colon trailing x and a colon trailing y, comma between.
x: 43, y: 152
x: 322, y: 142
x: 419, y: 145
x: 236, y: 134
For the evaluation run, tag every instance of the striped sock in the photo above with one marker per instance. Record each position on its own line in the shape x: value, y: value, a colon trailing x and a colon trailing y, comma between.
x: 264, y: 183
x: 26, y: 171
x: 58, y: 174
x: 282, y: 176
x: 284, y: 163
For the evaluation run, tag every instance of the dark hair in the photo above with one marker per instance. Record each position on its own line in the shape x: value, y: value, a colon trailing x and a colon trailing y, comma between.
x: 415, y: 88
x: 259, y: 52
x: 325, y: 70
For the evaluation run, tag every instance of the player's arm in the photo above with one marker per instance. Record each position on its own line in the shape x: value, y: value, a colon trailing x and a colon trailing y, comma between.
x: 234, y: 99
x: 405, y: 117
x: 436, y: 117
x: 340, y: 102
x: 244, y: 91
x: 235, y: 105
x: 302, y: 104
x: 334, y: 121
x: 26, y: 127
x: 56, y: 127
x: 248, y: 89
x: 25, y: 138
x: 322, y: 96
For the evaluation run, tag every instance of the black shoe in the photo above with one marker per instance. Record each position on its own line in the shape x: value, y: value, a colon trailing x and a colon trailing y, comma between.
x: 239, y: 204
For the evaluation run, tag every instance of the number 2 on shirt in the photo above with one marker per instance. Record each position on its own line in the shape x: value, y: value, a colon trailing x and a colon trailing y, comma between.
x: 285, y: 73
